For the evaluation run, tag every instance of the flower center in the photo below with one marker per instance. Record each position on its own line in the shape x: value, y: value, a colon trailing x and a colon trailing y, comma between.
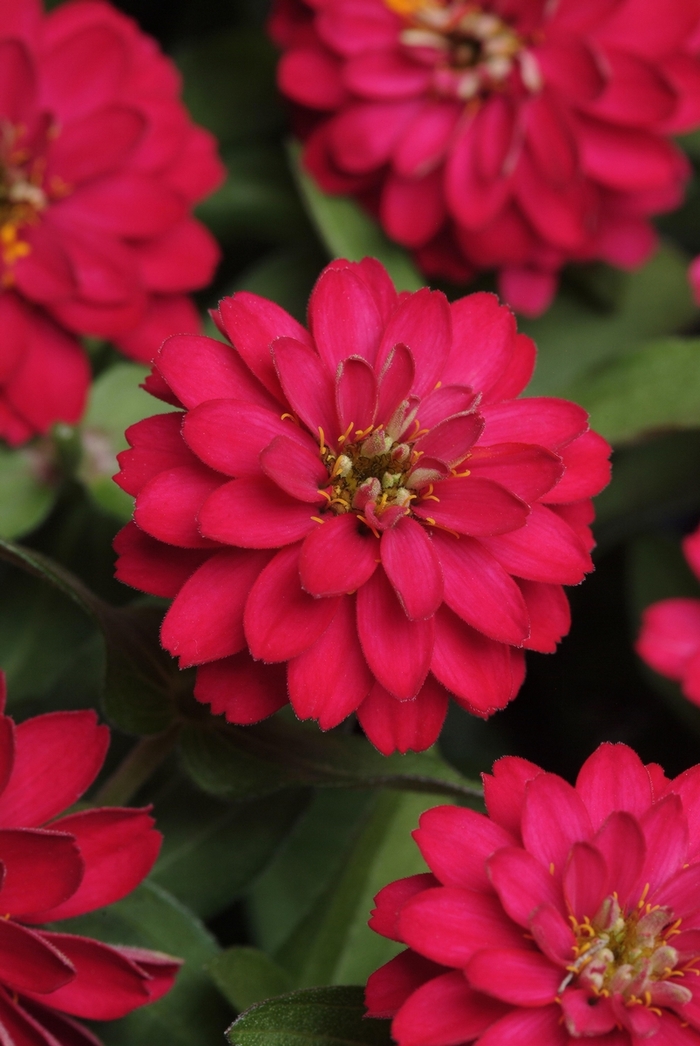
x: 472, y: 51
x: 630, y: 956
x: 22, y: 199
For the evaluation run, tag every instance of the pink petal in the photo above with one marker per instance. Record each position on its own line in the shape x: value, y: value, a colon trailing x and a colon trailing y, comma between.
x: 401, y: 726
x: 199, y: 369
x: 241, y: 689
x: 151, y: 566
x: 253, y: 323
x: 670, y: 635
x: 412, y: 210
x: 17, y: 80
x: 528, y: 291
x: 483, y: 342
x: 255, y: 513
x: 413, y: 568
x: 514, y: 976
x: 308, y: 386
x: 386, y: 75
x: 479, y: 590
x: 312, y: 77
x: 451, y: 439
x: 525, y: 470
x: 383, y: 629
x: 691, y: 551
x: 338, y: 557
x: 635, y: 94
x: 687, y: 786
x: 473, y: 506
x: 119, y: 848
x: 475, y: 669
x: 181, y: 259
x: 443, y: 402
x: 530, y: 1028
x: 614, y: 778
x: 29, y: 962
x: 343, y: 317
x: 423, y: 322
x: 543, y: 549
x: 633, y: 27
x: 448, y: 925
x: 680, y: 893
x: 549, y: 422
x: 295, y: 467
x: 551, y: 140
x: 587, y: 469
x: 585, y: 880
x: 587, y: 1015
x: 666, y: 836
x: 522, y: 884
x: 205, y: 622
x: 390, y: 900
x: 427, y: 140
x: 326, y: 687
x: 472, y: 200
x: 23, y: 853
x: 229, y: 435
x: 552, y: 932
x: 549, y: 613
x: 389, y: 987
x: 157, y: 445
x: 572, y: 67
x: 443, y: 1012
x: 554, y: 818
x: 347, y: 29
x: 504, y: 790
x: 379, y: 282
x: 33, y: 1024
x: 57, y: 757
x: 456, y: 843
x: 356, y: 394
x: 621, y: 842
x: 493, y: 137
x: 167, y: 506
x: 396, y: 379
x: 625, y: 159
x: 364, y: 135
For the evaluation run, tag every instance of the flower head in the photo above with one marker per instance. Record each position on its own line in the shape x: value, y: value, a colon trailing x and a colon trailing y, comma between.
x: 99, y: 169
x: 54, y: 867
x: 512, y: 135
x: 362, y: 507
x: 567, y: 914
x: 669, y: 639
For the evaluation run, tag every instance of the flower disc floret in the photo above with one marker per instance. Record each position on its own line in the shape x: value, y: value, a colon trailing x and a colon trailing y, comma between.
x: 368, y: 485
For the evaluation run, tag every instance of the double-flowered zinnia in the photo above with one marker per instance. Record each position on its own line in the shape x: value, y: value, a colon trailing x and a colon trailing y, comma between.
x: 54, y: 867
x: 100, y: 166
x: 360, y: 516
x: 568, y: 915
x: 513, y: 135
x: 669, y: 639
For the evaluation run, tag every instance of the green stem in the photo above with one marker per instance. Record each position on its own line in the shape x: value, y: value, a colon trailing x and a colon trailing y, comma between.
x: 136, y: 768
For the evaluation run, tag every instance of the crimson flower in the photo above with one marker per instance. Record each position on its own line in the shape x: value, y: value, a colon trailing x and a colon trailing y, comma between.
x: 566, y: 915
x: 99, y: 168
x: 53, y: 869
x: 512, y: 135
x: 362, y: 507
x: 669, y: 639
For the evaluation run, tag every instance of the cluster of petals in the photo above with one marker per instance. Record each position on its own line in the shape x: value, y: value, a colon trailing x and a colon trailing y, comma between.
x: 360, y: 516
x: 53, y: 868
x: 100, y: 166
x: 567, y: 915
x: 508, y: 135
x: 669, y: 639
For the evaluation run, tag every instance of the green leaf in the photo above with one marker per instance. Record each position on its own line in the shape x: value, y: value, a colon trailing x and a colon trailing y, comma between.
x: 316, y: 1017
x: 193, y: 1013
x: 27, y: 493
x: 349, y: 232
x: 246, y: 976
x: 238, y: 761
x: 573, y: 338
x: 116, y: 402
x: 656, y: 387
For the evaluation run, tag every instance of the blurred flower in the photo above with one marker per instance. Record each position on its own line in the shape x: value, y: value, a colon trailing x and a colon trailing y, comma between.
x: 99, y: 168
x: 569, y: 914
x: 399, y: 526
x: 55, y: 869
x: 669, y: 639
x: 513, y: 135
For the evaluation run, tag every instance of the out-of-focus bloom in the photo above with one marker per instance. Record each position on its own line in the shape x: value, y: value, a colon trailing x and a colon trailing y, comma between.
x: 669, y: 639
x: 567, y: 915
x: 99, y: 168
x: 56, y: 867
x: 362, y: 507
x: 512, y: 135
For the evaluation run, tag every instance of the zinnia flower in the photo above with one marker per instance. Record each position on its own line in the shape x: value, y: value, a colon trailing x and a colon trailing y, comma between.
x: 567, y: 915
x: 53, y: 869
x: 512, y: 135
x: 669, y: 639
x: 362, y: 507
x: 99, y: 168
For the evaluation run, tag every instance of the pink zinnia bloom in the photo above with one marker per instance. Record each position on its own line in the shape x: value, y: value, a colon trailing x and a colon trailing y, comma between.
x: 513, y: 135
x: 56, y: 867
x: 567, y: 915
x: 100, y: 166
x: 359, y: 516
x: 669, y: 639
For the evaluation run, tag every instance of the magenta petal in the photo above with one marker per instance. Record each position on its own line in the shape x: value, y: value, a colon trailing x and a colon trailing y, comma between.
x: 243, y: 690
x: 475, y: 669
x: 384, y: 919
x: 516, y: 976
x: 444, y: 402
x: 585, y: 880
x: 422, y: 321
x: 522, y: 884
x: 621, y: 842
x: 451, y: 439
x: 585, y: 1015
x: 473, y: 506
x: 534, y: 1027
x: 355, y: 394
x: 338, y: 557
x: 167, y: 506
x: 544, y: 420
x: 614, y: 778
x: 383, y: 629
x: 444, y: 1012
x: 545, y: 548
x: 389, y: 987
x: 553, y: 934
x: 308, y: 385
x: 456, y: 843
x: 330, y: 679
x: 295, y: 467
x: 255, y: 513
x: 205, y: 621
x: 549, y: 613
x: 504, y: 790
x: 343, y: 317
x: 483, y: 342
x: 665, y: 830
x: 28, y: 962
x: 404, y: 726
x: 527, y: 471
x: 554, y: 818
x: 23, y: 851
x: 199, y: 369
x: 281, y: 620
x: 412, y: 565
x: 395, y: 382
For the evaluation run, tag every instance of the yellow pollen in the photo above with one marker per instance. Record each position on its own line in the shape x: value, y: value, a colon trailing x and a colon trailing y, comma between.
x: 317, y: 519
